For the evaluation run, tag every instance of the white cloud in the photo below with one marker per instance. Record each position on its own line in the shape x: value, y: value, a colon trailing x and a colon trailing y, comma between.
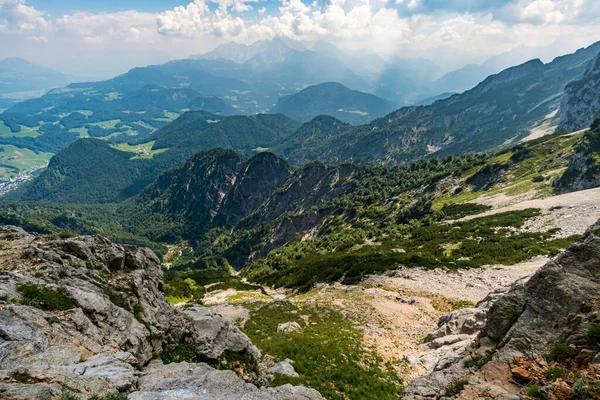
x: 196, y: 19
x: 427, y: 28
x: 18, y: 18
x: 105, y: 28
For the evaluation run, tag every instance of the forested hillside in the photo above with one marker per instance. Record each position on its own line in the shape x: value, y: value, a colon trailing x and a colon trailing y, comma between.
x: 333, y: 99
x: 79, y: 174
x: 294, y: 227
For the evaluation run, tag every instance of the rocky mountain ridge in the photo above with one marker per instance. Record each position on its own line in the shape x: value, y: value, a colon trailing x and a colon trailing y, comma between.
x: 476, y: 120
x: 581, y: 101
x: 86, y: 317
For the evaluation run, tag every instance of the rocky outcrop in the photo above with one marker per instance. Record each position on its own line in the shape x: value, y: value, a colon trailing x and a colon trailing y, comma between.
x: 580, y: 104
x: 88, y: 315
x: 555, y: 309
x: 200, y: 382
x: 456, y: 332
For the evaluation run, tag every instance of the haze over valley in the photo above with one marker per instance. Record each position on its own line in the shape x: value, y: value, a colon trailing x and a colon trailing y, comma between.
x: 283, y: 200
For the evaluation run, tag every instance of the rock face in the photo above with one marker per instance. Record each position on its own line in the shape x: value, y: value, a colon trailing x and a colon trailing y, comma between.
x: 200, y: 382
x: 581, y: 102
x: 458, y: 330
x: 90, y: 314
x: 555, y: 307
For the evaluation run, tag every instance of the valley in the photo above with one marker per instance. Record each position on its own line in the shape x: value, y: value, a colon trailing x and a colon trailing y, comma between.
x: 290, y: 220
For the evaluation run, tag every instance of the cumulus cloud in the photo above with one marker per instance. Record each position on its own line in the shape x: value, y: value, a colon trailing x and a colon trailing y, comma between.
x: 196, y: 19
x: 414, y: 25
x: 467, y: 30
x: 18, y: 18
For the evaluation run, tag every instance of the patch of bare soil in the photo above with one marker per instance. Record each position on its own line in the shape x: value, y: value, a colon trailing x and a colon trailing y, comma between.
x: 573, y: 212
x: 471, y: 285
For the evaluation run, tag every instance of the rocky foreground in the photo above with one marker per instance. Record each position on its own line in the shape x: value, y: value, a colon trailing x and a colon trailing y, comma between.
x: 84, y: 317
x: 540, y: 339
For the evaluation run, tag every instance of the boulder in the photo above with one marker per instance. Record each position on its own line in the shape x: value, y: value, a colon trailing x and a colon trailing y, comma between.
x: 284, y: 368
x: 289, y: 327
x: 201, y: 382
x: 212, y: 334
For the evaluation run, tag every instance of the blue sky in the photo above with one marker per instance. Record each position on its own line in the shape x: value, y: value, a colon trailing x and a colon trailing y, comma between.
x: 59, y: 7
x: 105, y: 37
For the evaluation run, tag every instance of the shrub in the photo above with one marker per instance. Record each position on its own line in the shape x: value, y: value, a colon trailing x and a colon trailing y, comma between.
x: 554, y: 373
x: 534, y: 391
x: 67, y: 394
x: 558, y: 352
x: 182, y: 352
x: 513, y: 313
x: 45, y: 299
x: 538, y: 178
x: 594, y: 334
x: 472, y: 361
x: 456, y: 211
x: 112, y: 396
x: 456, y: 388
x: 22, y: 377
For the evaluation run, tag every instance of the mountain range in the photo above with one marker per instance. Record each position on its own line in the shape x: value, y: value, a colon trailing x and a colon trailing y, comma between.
x: 501, y: 111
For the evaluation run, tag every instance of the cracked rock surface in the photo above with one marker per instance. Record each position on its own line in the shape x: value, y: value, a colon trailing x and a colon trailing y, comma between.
x: 90, y: 315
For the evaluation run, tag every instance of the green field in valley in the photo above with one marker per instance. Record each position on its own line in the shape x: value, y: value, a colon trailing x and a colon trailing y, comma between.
x: 143, y: 150
x: 21, y: 160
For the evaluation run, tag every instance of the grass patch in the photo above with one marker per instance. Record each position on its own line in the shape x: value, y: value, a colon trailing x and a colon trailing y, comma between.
x: 244, y: 296
x: 67, y: 394
x: 112, y: 396
x: 22, y: 377
x: 328, y: 353
x: 478, y: 360
x: 141, y: 151
x: 594, y: 334
x: 45, y: 299
x: 15, y: 160
x: 534, y: 391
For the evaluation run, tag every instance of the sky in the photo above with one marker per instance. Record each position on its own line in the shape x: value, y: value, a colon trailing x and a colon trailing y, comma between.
x: 102, y: 38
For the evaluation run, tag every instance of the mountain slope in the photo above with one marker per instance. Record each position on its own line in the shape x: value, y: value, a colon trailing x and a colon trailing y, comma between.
x: 316, y: 223
x: 462, y: 79
x: 88, y: 171
x: 297, y: 148
x: 499, y: 111
x: 581, y: 102
x: 19, y: 75
x: 79, y: 173
x: 584, y: 164
x: 333, y: 99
